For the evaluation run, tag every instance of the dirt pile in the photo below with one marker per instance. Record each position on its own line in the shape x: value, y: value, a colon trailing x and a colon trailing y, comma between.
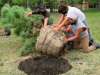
x: 44, y: 65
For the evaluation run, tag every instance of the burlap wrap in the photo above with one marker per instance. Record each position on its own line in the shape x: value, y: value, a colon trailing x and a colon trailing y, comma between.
x: 49, y: 41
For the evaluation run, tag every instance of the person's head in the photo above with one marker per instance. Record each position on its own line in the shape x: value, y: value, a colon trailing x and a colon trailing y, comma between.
x: 63, y: 7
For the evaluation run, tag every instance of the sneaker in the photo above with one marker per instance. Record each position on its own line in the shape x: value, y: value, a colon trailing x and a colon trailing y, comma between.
x: 97, y: 46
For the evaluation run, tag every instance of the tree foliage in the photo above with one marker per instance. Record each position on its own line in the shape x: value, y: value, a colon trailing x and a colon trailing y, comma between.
x: 93, y: 1
x: 22, y: 25
x: 49, y: 3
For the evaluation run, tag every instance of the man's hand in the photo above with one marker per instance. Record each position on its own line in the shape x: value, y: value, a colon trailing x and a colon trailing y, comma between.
x: 69, y: 28
x: 56, y: 28
x: 65, y: 40
x: 54, y: 25
x: 44, y: 26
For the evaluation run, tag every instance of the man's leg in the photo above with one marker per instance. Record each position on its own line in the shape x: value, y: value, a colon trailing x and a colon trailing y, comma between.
x: 91, y: 40
x: 85, y: 45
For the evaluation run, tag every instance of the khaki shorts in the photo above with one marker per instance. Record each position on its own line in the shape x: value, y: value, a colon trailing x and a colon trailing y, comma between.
x: 84, y: 45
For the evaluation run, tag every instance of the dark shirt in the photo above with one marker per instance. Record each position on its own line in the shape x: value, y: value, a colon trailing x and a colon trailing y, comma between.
x: 41, y: 11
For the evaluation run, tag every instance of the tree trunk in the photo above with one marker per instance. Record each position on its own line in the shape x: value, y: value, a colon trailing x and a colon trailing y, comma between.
x: 85, y: 5
x: 98, y: 4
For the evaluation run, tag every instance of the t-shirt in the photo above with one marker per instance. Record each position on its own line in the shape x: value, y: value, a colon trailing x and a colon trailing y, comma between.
x: 45, y: 13
x: 76, y: 14
x: 80, y: 24
x: 41, y: 11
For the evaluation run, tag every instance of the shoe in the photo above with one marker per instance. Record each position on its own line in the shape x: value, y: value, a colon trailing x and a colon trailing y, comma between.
x: 97, y: 46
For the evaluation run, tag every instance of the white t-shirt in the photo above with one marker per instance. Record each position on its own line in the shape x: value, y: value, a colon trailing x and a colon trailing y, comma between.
x: 76, y: 14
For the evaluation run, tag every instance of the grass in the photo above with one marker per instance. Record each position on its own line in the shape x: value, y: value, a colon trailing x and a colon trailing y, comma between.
x: 8, y: 55
x: 94, y: 21
x: 87, y: 64
x: 83, y: 64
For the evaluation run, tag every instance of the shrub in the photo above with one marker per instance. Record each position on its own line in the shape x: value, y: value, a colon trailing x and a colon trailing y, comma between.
x: 22, y: 25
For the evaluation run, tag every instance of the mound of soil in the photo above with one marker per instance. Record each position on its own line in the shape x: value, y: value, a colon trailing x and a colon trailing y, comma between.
x: 44, y: 65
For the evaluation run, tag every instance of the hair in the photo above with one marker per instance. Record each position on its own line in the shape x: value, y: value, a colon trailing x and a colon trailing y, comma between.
x: 40, y: 9
x: 63, y: 7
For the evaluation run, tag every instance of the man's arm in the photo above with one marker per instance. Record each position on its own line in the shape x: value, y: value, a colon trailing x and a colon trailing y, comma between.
x: 66, y: 21
x: 76, y: 36
x: 61, y: 19
x: 45, y: 21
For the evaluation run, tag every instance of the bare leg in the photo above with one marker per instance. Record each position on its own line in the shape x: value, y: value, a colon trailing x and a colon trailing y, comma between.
x: 85, y: 45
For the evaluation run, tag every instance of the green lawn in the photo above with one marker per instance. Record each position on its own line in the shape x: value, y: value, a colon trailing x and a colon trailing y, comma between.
x: 83, y: 64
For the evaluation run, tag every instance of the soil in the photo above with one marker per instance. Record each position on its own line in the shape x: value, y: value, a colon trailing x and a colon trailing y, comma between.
x: 44, y: 65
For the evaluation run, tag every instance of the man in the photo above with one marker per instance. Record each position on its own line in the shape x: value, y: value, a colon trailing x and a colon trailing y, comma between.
x: 42, y: 10
x: 75, y: 18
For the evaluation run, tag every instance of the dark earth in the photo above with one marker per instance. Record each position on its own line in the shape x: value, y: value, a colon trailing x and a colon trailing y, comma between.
x: 44, y: 65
